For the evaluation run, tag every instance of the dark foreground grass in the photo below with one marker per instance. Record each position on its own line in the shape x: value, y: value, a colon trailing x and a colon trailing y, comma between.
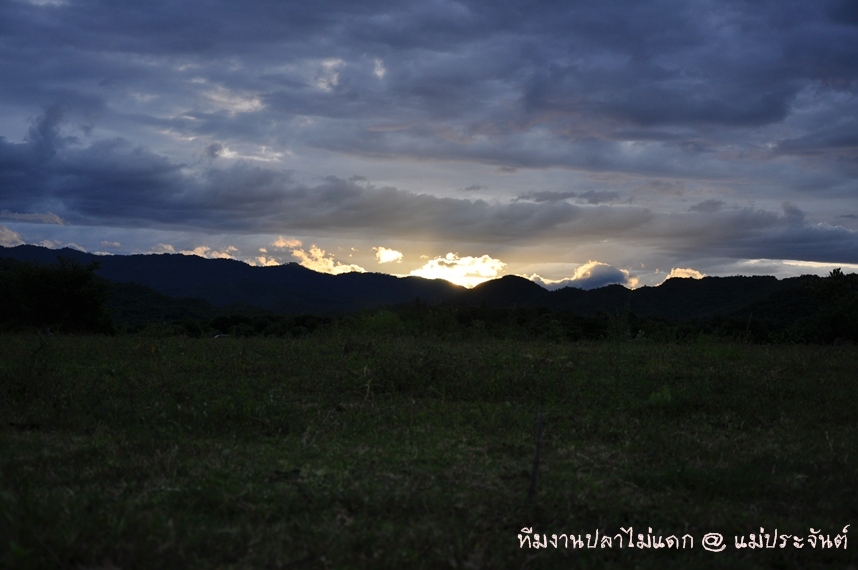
x: 344, y: 452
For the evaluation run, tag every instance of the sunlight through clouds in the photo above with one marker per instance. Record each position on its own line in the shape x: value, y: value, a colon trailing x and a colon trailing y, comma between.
x: 684, y: 272
x: 465, y: 271
x: 319, y: 260
x: 452, y: 123
x: 263, y: 261
x: 385, y: 255
x: 285, y: 243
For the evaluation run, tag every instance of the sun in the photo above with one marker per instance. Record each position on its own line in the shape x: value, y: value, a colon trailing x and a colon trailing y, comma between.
x: 465, y: 271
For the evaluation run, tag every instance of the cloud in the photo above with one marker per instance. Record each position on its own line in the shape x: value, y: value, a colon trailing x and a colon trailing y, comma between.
x: 46, y: 218
x: 707, y: 206
x: 263, y: 261
x: 546, y: 196
x: 232, y: 120
x: 234, y: 102
x: 465, y: 271
x: 663, y: 187
x: 57, y: 244
x: 318, y: 260
x: 385, y: 255
x: 109, y: 182
x: 9, y: 238
x: 47, y: 2
x: 112, y: 182
x: 591, y: 275
x: 750, y: 233
x: 596, y: 76
x: 792, y: 214
x: 686, y: 273
x: 593, y: 197
x: 215, y: 150
x: 228, y: 252
x: 285, y: 243
x: 378, y: 69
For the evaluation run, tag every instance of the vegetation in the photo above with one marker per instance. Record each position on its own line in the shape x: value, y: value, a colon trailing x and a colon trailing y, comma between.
x: 196, y: 297
x: 66, y: 297
x: 361, y: 446
x: 822, y: 311
x: 420, y: 435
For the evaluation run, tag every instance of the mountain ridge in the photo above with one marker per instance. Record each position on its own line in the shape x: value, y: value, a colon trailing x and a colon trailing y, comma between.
x: 293, y: 289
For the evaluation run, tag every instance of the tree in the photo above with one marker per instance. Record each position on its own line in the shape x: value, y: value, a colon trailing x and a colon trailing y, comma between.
x: 65, y: 297
x: 838, y: 317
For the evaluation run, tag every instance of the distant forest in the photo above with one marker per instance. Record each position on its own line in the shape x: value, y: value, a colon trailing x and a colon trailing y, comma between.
x: 70, y: 296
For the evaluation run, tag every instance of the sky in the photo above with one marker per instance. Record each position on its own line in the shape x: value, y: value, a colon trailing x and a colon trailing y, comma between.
x: 575, y: 143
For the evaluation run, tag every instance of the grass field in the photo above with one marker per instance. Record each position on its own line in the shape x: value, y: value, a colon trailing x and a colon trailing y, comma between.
x: 342, y: 451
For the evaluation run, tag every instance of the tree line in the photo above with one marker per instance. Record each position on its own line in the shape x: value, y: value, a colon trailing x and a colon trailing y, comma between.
x: 68, y: 297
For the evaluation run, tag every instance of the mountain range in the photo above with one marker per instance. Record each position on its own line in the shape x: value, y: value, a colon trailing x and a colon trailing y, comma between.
x: 163, y: 279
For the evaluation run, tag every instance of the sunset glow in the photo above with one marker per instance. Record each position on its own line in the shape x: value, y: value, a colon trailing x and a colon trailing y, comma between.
x: 578, y: 144
x: 465, y: 271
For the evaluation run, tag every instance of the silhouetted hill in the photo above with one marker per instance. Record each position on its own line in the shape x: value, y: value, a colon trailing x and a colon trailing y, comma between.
x: 610, y: 299
x: 134, y: 306
x: 792, y: 301
x: 293, y: 289
x: 508, y: 291
x: 685, y: 298
x: 283, y: 289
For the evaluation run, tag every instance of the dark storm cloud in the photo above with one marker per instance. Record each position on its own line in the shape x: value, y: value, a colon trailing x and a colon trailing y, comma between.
x: 106, y: 178
x: 840, y: 136
x: 844, y: 11
x: 143, y: 110
x: 599, y: 276
x: 386, y: 210
x: 591, y: 275
x: 113, y: 182
x: 580, y: 71
x: 748, y: 233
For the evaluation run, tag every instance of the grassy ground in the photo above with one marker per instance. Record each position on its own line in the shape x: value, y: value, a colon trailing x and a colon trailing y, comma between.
x: 348, y: 452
